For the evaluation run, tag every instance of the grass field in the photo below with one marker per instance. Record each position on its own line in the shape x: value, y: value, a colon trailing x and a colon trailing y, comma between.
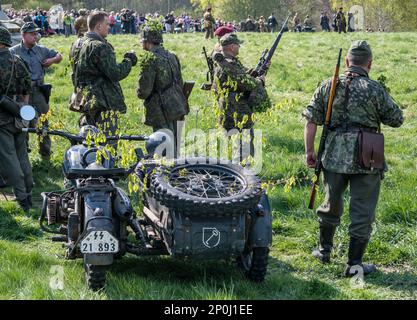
x: 301, y: 62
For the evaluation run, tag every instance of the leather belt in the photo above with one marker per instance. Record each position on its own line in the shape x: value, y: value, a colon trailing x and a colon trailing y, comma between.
x: 354, y: 129
x: 37, y: 83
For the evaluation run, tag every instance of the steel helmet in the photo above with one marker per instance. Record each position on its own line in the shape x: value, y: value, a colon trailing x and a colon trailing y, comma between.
x: 5, y: 37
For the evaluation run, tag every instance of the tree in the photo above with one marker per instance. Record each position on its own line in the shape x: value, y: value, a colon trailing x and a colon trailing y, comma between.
x: 390, y: 15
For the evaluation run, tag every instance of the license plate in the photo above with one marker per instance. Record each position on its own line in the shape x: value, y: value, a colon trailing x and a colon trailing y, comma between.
x: 99, y: 242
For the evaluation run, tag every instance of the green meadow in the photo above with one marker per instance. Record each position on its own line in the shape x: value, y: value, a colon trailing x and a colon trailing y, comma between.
x: 301, y: 62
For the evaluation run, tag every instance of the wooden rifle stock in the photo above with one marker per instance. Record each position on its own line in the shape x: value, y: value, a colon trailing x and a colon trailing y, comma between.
x: 325, y: 131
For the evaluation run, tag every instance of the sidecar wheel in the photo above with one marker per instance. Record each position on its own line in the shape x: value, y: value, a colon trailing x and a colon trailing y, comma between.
x: 254, y: 263
x: 202, y: 185
x: 95, y: 276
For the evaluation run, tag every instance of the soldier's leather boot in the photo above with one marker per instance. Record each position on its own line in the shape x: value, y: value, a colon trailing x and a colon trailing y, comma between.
x: 3, y: 183
x: 24, y: 204
x: 356, y: 251
x: 326, y: 244
x: 29, y: 200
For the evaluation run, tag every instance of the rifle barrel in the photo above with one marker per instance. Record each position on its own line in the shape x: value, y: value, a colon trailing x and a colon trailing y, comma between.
x: 277, y: 40
x: 262, y: 68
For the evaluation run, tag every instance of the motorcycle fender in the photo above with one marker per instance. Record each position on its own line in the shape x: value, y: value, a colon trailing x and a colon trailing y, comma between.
x: 98, y: 217
x: 103, y: 259
x: 122, y: 206
x: 260, y: 233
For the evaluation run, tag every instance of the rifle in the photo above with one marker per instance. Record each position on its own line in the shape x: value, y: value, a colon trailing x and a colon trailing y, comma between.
x: 324, y: 134
x: 263, y: 64
x: 210, y: 72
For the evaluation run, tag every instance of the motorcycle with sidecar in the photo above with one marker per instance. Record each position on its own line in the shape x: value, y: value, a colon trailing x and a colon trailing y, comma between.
x: 192, y: 208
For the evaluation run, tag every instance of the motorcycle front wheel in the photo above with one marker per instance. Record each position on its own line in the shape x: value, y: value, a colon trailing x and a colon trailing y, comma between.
x: 95, y: 276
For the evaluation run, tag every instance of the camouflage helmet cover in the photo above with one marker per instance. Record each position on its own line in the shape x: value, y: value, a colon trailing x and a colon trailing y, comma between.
x: 5, y: 37
x: 152, y: 35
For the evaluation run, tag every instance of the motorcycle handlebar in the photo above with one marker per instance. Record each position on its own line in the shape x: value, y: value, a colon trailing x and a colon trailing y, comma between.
x: 77, y: 138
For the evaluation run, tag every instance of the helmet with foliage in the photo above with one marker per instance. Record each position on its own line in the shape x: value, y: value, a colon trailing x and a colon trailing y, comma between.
x: 5, y: 37
x: 153, y: 36
x: 152, y: 31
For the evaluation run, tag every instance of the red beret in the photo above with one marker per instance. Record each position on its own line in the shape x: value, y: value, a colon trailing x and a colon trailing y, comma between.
x: 220, y: 32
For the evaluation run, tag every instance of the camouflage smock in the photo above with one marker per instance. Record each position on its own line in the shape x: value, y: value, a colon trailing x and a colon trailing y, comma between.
x: 160, y: 84
x: 98, y: 73
x: 368, y: 106
x: 209, y: 21
x: 11, y: 84
x: 237, y: 92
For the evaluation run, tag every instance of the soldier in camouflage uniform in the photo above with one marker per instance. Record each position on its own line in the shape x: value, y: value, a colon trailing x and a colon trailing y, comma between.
x: 262, y: 25
x: 80, y: 24
x: 15, y: 83
x: 238, y: 93
x: 341, y: 21
x: 96, y: 75
x: 366, y: 106
x: 160, y: 84
x: 209, y: 24
x: 219, y: 33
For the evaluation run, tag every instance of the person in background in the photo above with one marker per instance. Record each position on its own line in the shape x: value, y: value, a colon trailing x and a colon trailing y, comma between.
x: 112, y: 21
x: 38, y: 58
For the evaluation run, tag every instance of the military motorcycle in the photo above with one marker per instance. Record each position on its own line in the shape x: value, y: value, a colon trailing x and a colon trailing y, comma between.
x: 195, y: 208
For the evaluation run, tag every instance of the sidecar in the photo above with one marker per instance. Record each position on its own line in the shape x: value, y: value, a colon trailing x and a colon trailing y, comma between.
x: 208, y: 209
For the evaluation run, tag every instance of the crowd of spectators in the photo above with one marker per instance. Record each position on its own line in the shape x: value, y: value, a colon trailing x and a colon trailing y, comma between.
x: 125, y: 21
x: 128, y: 21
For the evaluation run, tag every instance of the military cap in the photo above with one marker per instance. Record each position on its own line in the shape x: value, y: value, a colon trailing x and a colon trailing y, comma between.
x: 220, y: 32
x: 29, y: 27
x: 360, y: 48
x: 229, y: 38
x: 5, y: 37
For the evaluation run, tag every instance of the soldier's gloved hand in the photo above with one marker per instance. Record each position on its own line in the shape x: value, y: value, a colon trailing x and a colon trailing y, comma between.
x: 262, y: 78
x: 132, y: 57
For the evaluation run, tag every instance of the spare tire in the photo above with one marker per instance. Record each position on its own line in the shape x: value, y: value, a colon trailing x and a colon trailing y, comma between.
x: 198, y: 186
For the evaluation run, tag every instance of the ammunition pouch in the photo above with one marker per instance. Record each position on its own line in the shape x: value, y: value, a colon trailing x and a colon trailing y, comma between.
x: 371, y: 150
x: 173, y: 102
x: 46, y: 90
x: 10, y: 106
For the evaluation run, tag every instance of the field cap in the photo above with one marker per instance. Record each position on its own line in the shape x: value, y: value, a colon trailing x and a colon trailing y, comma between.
x: 29, y: 27
x: 229, y: 38
x: 360, y: 48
